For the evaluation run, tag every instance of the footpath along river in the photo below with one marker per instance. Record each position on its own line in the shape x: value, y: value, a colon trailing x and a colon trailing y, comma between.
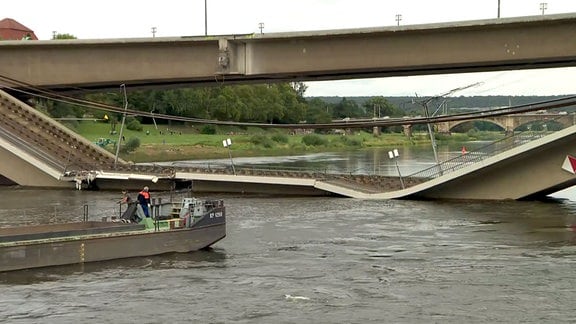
x: 316, y: 260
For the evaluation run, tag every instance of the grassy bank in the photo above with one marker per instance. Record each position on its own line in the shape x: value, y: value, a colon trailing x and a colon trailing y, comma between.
x: 186, y: 143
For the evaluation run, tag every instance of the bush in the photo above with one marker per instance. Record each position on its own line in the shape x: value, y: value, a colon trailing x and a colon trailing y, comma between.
x: 280, y: 138
x: 208, y: 130
x: 262, y: 140
x: 350, y: 141
x: 131, y: 145
x: 134, y: 124
x: 313, y: 140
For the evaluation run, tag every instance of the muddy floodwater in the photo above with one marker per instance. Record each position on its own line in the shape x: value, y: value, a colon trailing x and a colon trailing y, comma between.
x: 315, y: 260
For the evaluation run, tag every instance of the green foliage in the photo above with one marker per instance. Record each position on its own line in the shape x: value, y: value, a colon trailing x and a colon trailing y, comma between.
x: 131, y: 145
x: 349, y: 141
x: 63, y: 36
x: 280, y: 138
x: 443, y: 137
x: 134, y: 124
x: 262, y: 140
x: 472, y: 132
x: 347, y: 109
x: 208, y: 129
x: 314, y: 140
x: 379, y: 107
x: 72, y: 124
x: 319, y: 111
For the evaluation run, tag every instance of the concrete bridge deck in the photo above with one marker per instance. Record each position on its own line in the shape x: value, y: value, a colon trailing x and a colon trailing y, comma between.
x: 533, y: 42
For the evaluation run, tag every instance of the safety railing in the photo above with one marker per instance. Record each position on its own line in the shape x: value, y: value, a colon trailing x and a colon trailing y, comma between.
x: 467, y: 158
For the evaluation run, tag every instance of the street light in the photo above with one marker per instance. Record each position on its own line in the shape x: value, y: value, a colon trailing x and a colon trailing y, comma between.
x: 393, y: 155
x: 227, y: 143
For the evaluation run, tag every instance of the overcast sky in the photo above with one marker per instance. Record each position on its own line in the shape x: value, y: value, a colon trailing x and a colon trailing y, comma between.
x: 120, y: 19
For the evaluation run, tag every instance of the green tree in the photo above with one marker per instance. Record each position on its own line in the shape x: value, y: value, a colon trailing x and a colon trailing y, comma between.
x: 318, y: 111
x: 347, y: 109
x: 63, y: 36
x: 380, y: 107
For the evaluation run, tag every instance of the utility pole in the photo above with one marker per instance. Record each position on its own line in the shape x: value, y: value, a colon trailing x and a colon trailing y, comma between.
x: 123, y: 87
x: 261, y: 26
x: 153, y: 32
x: 205, y: 18
x: 498, y: 8
x: 398, y: 18
x: 543, y: 7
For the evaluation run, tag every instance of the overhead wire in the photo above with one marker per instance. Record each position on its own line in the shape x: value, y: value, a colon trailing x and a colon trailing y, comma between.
x: 33, y: 91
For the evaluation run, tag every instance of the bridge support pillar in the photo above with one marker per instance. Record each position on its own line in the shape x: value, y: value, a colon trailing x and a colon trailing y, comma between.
x: 509, y: 130
x: 407, y: 130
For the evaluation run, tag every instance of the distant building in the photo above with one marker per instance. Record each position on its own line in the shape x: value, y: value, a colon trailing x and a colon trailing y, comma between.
x: 10, y: 29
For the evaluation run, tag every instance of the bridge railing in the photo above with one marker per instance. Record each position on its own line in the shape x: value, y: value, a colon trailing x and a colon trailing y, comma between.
x: 478, y: 155
x: 40, y: 155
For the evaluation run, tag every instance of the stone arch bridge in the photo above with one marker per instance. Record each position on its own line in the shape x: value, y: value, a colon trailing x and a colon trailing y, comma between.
x: 512, y: 122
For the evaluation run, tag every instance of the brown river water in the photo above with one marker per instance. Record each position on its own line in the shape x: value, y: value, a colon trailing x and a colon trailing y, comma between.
x: 315, y: 260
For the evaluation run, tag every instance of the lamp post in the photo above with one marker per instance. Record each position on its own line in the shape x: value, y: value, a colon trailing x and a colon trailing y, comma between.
x: 205, y: 18
x: 227, y: 143
x: 393, y: 155
x: 123, y: 87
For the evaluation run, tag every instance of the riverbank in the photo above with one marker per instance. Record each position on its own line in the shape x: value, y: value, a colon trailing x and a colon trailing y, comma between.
x: 187, y: 143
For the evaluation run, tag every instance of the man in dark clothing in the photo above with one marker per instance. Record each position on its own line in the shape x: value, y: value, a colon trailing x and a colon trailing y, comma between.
x: 144, y: 201
x: 129, y: 214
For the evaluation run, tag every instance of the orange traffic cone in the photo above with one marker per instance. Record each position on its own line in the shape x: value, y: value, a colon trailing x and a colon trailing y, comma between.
x: 464, y: 150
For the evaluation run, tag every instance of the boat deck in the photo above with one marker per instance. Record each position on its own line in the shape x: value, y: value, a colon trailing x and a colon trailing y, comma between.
x: 50, y: 231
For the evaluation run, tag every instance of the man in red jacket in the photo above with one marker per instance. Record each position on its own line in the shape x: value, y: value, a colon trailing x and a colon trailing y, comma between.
x: 144, y: 201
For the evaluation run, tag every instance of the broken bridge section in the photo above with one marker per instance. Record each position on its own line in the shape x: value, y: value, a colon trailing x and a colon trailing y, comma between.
x: 39, y: 152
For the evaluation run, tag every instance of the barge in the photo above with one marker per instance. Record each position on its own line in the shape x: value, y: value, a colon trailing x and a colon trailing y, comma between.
x: 190, y: 225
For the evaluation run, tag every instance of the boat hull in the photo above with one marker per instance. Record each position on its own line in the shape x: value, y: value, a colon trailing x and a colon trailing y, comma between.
x: 55, y: 252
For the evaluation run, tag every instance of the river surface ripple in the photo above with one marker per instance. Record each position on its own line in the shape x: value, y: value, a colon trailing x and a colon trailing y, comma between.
x: 315, y: 260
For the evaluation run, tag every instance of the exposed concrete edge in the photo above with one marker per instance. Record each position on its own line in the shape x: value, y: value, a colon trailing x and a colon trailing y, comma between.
x: 243, y: 179
x: 341, y: 190
x: 30, y: 159
x: 126, y: 176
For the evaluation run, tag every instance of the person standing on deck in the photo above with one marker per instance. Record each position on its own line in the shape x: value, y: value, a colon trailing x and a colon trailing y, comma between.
x: 144, y: 201
x: 126, y: 199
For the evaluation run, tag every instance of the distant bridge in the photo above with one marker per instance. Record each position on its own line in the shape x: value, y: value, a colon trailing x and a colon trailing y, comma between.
x: 512, y: 122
